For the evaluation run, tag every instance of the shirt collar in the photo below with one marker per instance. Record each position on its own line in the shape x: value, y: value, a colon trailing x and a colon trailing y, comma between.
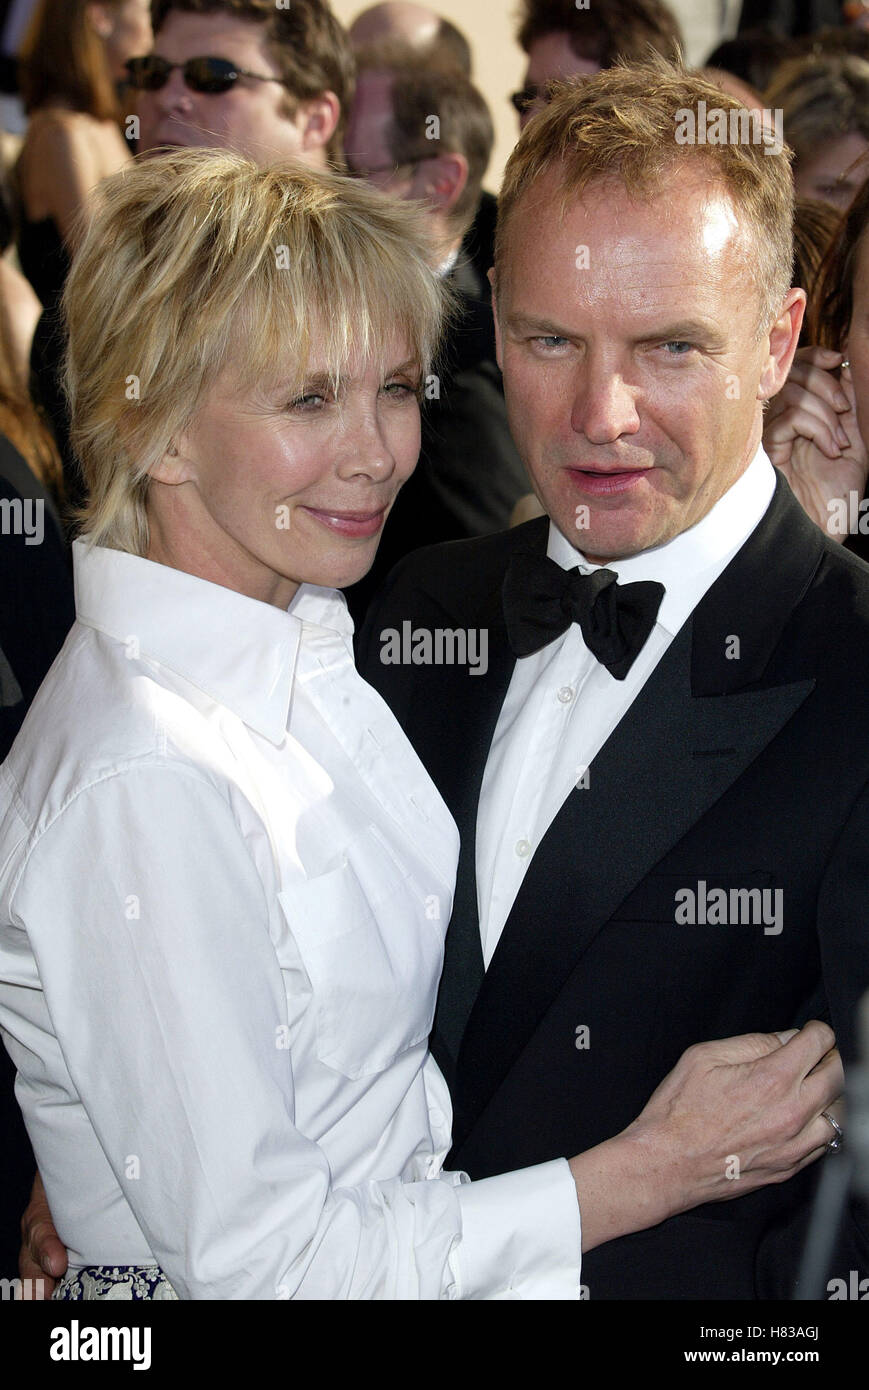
x: 689, y: 563
x: 238, y: 651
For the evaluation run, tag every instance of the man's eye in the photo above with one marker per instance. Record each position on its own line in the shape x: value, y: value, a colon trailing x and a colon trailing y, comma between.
x: 549, y: 342
x: 677, y: 348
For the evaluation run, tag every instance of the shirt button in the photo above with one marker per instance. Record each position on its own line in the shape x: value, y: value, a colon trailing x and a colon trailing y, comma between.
x: 523, y: 849
x: 565, y: 694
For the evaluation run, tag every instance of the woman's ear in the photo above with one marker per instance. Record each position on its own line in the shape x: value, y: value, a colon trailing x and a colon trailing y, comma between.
x: 173, y: 468
x: 100, y: 19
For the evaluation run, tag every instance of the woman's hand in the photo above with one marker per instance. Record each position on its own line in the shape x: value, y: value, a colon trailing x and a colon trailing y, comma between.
x: 732, y: 1116
x: 42, y: 1258
x: 811, y: 434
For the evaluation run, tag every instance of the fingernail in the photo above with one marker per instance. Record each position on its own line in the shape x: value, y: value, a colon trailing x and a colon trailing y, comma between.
x: 842, y: 438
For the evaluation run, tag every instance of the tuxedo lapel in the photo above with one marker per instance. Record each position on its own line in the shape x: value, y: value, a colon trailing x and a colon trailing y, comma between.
x: 691, y: 732
x: 477, y: 703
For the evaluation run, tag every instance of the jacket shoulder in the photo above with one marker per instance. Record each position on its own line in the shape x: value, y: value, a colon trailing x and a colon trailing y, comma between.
x: 452, y: 572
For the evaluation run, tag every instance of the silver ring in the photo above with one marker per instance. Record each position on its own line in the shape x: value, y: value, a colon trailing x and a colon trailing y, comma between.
x: 838, y: 1138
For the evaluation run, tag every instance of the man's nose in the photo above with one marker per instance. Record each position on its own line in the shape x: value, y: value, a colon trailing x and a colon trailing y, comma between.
x: 176, y: 96
x: 605, y: 405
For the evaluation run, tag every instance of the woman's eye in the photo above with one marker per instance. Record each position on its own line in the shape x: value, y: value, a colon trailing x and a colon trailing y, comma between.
x: 401, y: 391
x: 306, y: 404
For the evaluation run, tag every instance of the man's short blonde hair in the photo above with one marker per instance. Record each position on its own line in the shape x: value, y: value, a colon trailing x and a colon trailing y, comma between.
x: 198, y: 260
x: 619, y: 128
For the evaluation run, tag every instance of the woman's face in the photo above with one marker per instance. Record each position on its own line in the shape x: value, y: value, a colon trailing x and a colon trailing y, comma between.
x: 272, y: 489
x: 836, y: 173
x: 127, y: 33
x: 857, y: 346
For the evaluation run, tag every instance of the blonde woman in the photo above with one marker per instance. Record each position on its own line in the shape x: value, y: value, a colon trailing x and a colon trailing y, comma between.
x: 226, y: 876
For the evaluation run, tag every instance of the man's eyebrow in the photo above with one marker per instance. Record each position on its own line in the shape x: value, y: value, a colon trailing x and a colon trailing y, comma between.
x: 682, y: 328
x: 667, y: 332
x: 523, y: 323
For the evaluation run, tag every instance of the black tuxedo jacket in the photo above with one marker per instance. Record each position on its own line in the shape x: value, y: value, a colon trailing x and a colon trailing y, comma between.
x: 748, y: 772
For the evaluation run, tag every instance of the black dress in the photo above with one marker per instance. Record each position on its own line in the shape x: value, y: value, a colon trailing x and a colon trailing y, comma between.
x: 44, y: 258
x: 36, y: 612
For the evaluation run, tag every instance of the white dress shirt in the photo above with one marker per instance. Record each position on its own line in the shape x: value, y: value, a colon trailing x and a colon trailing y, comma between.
x: 225, y: 879
x: 562, y: 704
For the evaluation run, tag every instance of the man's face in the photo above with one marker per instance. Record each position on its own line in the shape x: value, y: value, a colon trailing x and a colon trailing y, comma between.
x: 366, y: 144
x: 550, y: 58
x: 130, y: 35
x: 248, y: 119
x: 627, y: 334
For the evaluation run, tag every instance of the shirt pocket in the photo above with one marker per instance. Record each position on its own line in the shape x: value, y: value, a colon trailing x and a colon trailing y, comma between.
x: 373, y: 958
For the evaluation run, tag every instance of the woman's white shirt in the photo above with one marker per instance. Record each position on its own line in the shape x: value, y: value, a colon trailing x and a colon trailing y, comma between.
x: 225, y: 879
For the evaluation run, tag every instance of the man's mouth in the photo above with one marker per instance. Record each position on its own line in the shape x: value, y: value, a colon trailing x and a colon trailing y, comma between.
x: 603, y: 482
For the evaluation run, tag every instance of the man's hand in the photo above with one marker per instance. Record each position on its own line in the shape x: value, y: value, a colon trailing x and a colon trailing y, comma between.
x: 732, y: 1116
x: 810, y: 433
x: 42, y: 1258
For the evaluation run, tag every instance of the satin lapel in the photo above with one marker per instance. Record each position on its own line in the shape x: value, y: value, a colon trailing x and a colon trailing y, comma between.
x: 476, y: 705
x: 670, y: 759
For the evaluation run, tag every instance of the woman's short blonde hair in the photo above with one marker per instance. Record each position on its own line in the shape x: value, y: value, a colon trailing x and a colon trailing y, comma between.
x: 198, y: 260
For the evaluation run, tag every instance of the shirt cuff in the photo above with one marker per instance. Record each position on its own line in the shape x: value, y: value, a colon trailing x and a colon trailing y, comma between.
x: 521, y: 1236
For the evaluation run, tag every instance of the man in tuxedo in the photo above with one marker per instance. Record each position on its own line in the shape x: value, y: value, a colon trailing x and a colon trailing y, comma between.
x: 660, y: 777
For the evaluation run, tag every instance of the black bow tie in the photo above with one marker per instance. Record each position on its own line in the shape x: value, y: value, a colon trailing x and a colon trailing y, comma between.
x: 541, y: 600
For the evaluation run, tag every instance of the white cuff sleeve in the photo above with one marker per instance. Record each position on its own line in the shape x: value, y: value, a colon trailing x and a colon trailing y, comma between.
x: 521, y: 1236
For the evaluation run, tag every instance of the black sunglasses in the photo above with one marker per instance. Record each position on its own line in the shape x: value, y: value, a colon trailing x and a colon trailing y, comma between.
x: 209, y: 75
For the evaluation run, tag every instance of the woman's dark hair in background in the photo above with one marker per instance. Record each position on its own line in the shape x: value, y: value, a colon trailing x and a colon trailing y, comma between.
x: 834, y: 300
x: 63, y: 57
x: 815, y: 226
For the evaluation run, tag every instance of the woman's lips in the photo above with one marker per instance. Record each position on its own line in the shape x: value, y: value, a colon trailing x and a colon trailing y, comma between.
x: 349, y: 523
x: 602, y: 484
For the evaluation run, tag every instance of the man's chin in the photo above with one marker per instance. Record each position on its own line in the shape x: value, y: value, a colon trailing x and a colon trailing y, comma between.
x: 160, y: 144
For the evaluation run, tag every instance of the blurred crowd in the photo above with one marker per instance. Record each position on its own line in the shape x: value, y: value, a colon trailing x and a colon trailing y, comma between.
x: 89, y: 85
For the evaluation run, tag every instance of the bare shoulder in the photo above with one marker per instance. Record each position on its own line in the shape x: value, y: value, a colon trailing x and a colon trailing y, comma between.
x: 55, y: 133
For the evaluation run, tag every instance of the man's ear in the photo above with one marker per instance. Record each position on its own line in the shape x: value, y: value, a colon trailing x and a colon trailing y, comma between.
x: 317, y: 119
x: 784, y: 337
x: 491, y: 278
x: 442, y: 181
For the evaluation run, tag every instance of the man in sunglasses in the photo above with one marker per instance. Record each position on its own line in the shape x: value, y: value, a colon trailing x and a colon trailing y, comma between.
x: 247, y: 76
x: 562, y: 40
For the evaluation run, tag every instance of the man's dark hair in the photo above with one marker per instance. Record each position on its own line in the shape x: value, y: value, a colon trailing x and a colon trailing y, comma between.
x: 754, y: 55
x: 421, y: 90
x: 306, y: 41
x: 607, y: 30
